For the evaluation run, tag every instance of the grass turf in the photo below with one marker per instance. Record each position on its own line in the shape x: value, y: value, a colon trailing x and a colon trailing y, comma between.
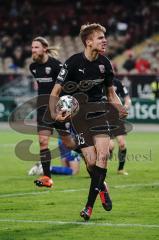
x: 31, y: 213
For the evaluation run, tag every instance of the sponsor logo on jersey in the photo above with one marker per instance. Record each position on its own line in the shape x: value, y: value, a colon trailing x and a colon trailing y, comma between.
x: 49, y: 79
x: 84, y: 85
x: 62, y: 75
x: 102, y: 68
x: 81, y: 70
x: 48, y: 70
x: 34, y: 70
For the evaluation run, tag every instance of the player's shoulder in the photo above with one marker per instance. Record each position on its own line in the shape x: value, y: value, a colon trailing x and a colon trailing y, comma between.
x: 54, y: 61
x: 105, y: 59
x: 75, y: 58
x: 117, y: 82
x: 33, y: 66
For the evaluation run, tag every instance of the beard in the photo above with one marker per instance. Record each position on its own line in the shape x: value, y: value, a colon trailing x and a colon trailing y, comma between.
x: 37, y: 57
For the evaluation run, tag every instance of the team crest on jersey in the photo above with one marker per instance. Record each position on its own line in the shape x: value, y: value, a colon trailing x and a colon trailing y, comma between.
x: 102, y: 68
x: 48, y: 70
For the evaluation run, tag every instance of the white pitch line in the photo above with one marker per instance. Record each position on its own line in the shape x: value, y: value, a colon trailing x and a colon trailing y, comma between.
x: 72, y: 190
x: 7, y: 144
x: 52, y: 222
x: 22, y: 194
x: 14, y: 144
x: 38, y: 193
x: 137, y: 185
x: 78, y: 190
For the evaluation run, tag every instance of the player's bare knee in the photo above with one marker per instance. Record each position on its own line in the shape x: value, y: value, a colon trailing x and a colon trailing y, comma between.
x: 122, y: 145
x: 43, y: 142
x: 90, y: 161
x: 90, y: 164
x: 102, y: 157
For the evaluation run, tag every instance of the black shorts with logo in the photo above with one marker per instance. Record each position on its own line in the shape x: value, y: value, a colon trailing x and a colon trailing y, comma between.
x: 97, y: 118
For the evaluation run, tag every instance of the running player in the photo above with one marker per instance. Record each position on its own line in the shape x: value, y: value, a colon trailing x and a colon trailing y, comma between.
x: 90, y: 72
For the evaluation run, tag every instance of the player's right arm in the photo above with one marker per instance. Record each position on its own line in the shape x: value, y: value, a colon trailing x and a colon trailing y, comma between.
x: 54, y: 97
x: 32, y: 70
x: 63, y: 76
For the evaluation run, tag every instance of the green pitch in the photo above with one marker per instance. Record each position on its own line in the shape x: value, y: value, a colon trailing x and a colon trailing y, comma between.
x: 31, y: 213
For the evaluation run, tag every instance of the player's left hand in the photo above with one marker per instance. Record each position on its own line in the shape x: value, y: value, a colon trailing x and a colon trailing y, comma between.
x: 62, y: 116
x: 123, y: 113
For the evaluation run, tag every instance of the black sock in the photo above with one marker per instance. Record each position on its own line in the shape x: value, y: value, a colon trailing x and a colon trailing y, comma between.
x: 90, y: 171
x: 121, y: 157
x: 103, y: 186
x: 45, y: 157
x: 97, y: 180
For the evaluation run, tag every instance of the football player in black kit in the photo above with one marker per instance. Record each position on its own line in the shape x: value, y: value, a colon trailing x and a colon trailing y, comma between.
x: 122, y: 92
x: 79, y: 72
x: 45, y: 69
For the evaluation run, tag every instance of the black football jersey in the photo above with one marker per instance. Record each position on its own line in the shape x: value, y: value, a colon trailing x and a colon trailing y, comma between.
x: 120, y: 89
x: 78, y: 74
x: 45, y: 74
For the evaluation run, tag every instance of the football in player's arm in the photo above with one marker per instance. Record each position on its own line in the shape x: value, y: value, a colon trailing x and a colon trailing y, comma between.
x: 86, y: 73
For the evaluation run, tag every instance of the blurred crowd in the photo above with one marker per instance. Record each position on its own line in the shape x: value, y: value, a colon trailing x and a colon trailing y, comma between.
x: 145, y: 62
x: 127, y: 23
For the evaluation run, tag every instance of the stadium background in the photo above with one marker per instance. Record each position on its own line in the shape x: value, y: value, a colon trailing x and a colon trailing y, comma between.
x: 133, y: 47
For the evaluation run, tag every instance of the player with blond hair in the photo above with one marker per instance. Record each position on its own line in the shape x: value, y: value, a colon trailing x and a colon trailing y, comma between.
x: 45, y: 69
x: 89, y: 72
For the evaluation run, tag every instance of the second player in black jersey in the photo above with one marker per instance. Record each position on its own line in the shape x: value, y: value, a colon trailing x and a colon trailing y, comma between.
x: 45, y: 74
x: 122, y: 92
x: 87, y: 73
x: 45, y: 69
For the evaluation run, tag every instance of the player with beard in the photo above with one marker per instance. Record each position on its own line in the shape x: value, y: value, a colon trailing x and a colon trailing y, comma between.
x: 45, y: 69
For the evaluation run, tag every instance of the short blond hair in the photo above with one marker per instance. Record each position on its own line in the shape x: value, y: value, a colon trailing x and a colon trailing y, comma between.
x: 87, y: 29
x: 52, y: 50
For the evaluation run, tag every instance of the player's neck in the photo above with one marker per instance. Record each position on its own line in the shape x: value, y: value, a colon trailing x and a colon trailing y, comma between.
x: 45, y: 58
x: 90, y: 55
